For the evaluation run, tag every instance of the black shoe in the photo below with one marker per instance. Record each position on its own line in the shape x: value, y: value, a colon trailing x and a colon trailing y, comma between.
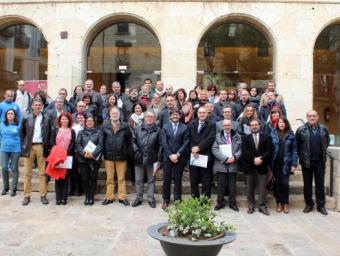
x: 251, y: 210
x: 152, y: 204
x: 13, y: 193
x: 107, y: 201
x: 322, y: 210
x: 124, y: 202
x: 136, y: 203
x: 218, y: 207
x: 264, y: 210
x: 165, y: 205
x: 234, y: 207
x: 87, y: 201
x: 71, y: 193
x: 63, y: 202
x: 43, y: 200
x: 26, y: 201
x: 308, y: 208
x: 91, y: 200
x: 58, y: 202
x: 4, y: 192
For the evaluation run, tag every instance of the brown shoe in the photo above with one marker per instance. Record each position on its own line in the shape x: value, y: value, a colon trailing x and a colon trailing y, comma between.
x: 26, y: 201
x: 285, y: 208
x: 279, y: 208
x: 251, y: 210
x: 165, y: 205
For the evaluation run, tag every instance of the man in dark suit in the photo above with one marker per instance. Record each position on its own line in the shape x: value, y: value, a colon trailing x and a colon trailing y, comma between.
x: 202, y: 135
x: 175, y: 141
x: 256, y: 155
x: 163, y: 117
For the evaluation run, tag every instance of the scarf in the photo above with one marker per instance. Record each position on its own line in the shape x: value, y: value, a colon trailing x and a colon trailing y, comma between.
x: 137, y: 119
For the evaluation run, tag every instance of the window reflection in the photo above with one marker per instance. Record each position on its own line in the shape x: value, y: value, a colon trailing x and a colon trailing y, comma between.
x: 326, y: 81
x: 233, y: 53
x: 23, y: 55
x: 127, y: 52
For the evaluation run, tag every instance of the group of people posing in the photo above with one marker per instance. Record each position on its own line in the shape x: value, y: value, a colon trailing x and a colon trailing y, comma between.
x: 229, y: 131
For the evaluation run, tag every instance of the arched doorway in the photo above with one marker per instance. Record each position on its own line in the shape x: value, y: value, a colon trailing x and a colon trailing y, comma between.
x: 127, y: 51
x: 326, y: 79
x: 23, y: 56
x: 232, y: 52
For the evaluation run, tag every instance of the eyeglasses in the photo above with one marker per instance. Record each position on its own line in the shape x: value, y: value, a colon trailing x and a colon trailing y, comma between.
x: 80, y: 106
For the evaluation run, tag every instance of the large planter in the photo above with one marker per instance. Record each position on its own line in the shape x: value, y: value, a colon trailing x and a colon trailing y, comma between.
x: 173, y: 246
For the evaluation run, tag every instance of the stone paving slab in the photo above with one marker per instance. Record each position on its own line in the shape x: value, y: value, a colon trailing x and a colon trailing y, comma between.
x: 118, y: 230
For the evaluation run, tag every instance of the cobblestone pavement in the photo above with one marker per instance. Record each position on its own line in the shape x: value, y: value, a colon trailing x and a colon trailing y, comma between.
x: 118, y: 230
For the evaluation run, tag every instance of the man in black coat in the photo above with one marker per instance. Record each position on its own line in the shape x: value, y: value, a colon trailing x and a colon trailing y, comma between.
x: 256, y: 155
x: 240, y: 105
x: 175, y: 141
x: 202, y: 135
x: 312, y: 140
x: 146, y: 143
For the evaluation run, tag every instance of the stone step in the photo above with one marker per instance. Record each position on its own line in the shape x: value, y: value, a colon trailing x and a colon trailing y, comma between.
x: 296, y: 187
x: 295, y: 201
x: 159, y: 177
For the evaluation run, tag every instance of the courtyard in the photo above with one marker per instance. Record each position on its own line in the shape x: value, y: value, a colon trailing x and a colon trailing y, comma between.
x: 118, y: 230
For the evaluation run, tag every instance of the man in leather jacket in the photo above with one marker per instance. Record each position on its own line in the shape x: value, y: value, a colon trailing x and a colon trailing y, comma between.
x: 35, y: 134
x: 312, y: 141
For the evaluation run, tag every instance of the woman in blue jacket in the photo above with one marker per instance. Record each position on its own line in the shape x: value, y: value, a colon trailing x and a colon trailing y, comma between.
x: 284, y: 161
x: 10, y: 150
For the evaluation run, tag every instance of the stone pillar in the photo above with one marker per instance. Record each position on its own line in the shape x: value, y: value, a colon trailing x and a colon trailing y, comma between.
x: 64, y: 57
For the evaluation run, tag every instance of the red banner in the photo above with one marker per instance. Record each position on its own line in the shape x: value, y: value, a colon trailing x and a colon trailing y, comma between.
x: 33, y: 86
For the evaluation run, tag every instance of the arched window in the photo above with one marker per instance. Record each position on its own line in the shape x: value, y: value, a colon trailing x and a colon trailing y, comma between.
x: 127, y: 52
x: 23, y: 55
x: 326, y: 82
x: 234, y: 52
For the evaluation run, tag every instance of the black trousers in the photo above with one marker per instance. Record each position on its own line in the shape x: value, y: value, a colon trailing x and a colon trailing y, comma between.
x: 75, y: 180
x: 89, y: 173
x: 201, y: 175
x: 229, y: 180
x: 175, y: 171
x: 281, y: 185
x: 317, y: 169
x: 61, y: 188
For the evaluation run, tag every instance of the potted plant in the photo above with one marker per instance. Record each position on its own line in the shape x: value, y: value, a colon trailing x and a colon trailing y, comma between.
x: 192, y: 229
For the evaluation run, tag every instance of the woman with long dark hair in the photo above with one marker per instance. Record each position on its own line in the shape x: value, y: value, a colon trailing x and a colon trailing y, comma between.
x: 10, y: 150
x: 184, y: 105
x: 284, y: 162
x: 88, y: 151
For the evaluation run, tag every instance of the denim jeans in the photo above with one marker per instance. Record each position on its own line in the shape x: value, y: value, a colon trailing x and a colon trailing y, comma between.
x: 4, y: 159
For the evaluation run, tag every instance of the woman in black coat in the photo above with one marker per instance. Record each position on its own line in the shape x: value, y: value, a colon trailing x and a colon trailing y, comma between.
x: 88, y: 150
x: 284, y: 161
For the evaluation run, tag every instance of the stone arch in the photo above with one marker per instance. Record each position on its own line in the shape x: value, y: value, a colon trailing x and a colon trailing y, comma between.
x: 263, y: 29
x: 8, y: 20
x: 111, y: 19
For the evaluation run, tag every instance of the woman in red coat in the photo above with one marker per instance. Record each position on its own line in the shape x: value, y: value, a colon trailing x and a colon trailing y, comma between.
x: 63, y: 136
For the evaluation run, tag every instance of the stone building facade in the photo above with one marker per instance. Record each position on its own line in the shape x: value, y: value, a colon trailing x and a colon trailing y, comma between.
x: 290, y: 26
